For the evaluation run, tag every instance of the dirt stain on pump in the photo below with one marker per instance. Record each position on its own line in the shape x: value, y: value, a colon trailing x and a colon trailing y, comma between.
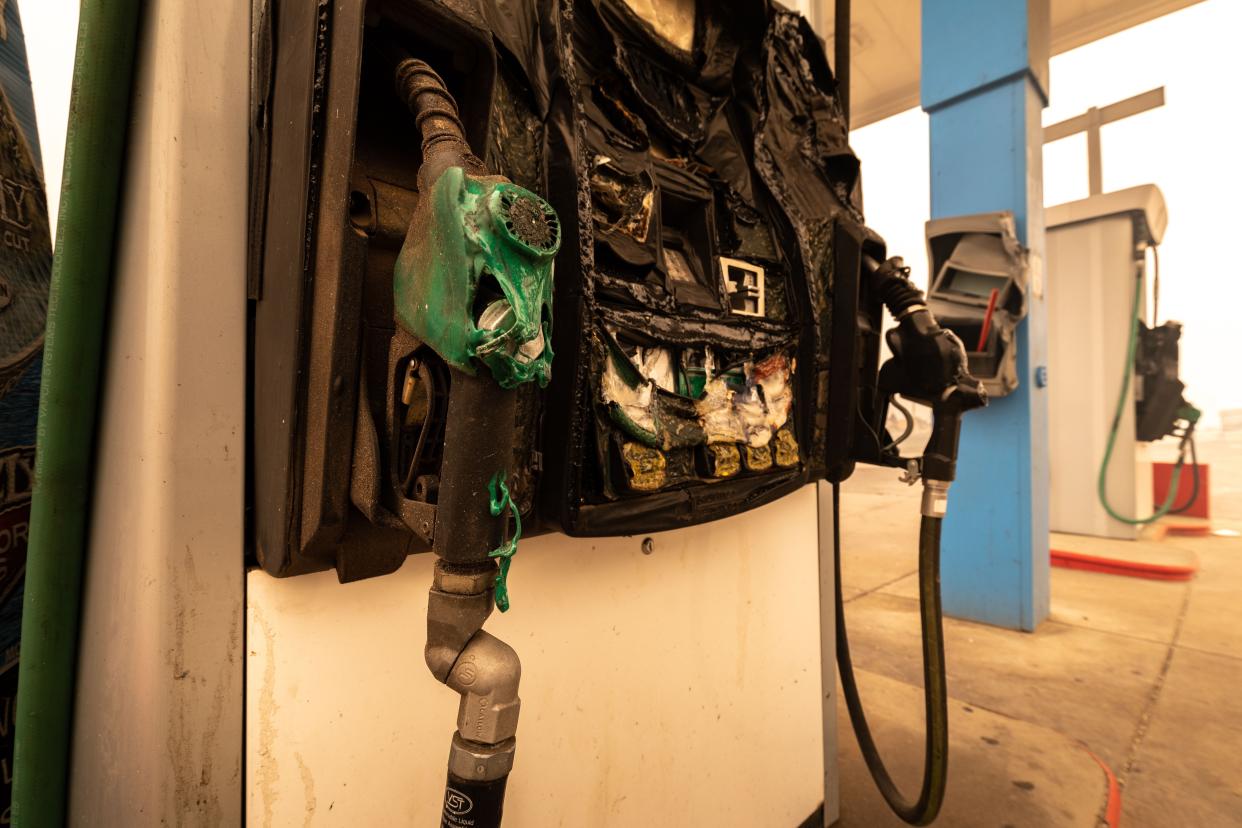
x: 743, y: 604
x: 308, y: 786
x: 192, y: 761
x: 269, y: 770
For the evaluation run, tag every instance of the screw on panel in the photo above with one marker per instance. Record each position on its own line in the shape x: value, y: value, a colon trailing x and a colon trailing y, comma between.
x: 648, y: 546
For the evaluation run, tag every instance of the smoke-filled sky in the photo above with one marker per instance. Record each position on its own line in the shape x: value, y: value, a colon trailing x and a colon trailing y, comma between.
x: 1189, y: 148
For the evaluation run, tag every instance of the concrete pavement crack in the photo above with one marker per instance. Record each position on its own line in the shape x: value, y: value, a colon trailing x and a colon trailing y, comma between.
x: 879, y: 587
x: 1153, y: 697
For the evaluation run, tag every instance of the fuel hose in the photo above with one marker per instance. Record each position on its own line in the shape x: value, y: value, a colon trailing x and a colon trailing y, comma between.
x: 1102, y: 480
x: 924, y: 810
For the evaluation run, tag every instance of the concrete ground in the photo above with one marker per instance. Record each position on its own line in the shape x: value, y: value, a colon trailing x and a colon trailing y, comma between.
x: 1141, y: 676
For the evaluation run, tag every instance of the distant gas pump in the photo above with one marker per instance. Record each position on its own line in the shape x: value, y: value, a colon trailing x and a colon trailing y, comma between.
x: 1114, y: 378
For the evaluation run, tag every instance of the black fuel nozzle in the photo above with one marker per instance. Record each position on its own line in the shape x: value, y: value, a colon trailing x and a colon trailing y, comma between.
x: 928, y: 365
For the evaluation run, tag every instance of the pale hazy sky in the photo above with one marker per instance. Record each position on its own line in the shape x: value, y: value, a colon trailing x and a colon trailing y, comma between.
x: 51, y: 28
x: 1190, y: 148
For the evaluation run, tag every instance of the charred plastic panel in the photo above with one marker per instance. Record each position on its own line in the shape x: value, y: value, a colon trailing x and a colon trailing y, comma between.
x: 978, y: 290
x: 347, y: 415
x: 706, y: 188
x: 707, y: 198
x: 1158, y: 400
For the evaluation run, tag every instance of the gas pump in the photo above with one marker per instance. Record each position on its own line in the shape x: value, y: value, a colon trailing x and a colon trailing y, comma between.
x: 1119, y: 386
x: 433, y: 181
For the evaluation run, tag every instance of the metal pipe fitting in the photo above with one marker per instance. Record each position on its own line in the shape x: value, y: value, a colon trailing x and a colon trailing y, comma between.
x: 478, y: 665
x: 480, y: 763
x: 459, y: 602
x: 935, y: 498
x: 487, y: 675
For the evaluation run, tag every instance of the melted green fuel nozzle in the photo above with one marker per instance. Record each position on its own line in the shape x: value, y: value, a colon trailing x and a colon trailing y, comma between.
x: 474, y: 277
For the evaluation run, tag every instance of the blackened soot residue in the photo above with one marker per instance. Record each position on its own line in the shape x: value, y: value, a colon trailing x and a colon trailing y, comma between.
x: 620, y: 134
x: 530, y: 222
x: 623, y: 201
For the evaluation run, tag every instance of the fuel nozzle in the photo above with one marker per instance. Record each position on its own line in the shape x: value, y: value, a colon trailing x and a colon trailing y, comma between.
x: 473, y: 280
x: 928, y: 366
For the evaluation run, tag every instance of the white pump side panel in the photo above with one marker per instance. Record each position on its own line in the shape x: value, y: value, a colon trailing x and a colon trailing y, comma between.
x: 158, y: 722
x: 1091, y: 273
x: 677, y: 688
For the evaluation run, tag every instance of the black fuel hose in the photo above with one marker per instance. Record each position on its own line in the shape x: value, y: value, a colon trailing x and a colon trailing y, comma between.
x: 935, y: 694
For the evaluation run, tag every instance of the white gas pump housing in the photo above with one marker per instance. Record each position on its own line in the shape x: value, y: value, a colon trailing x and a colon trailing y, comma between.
x: 1096, y: 249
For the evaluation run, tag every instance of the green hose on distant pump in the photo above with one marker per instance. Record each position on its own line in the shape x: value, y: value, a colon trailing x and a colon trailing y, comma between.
x: 1186, y: 413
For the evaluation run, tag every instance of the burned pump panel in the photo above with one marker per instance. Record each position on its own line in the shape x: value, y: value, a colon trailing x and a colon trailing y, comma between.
x: 706, y: 202
x: 706, y: 183
x: 349, y: 410
x: 979, y: 273
x: 1158, y: 389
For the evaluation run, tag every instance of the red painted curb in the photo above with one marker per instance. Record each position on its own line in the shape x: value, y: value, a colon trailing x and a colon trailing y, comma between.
x: 1112, y: 809
x: 1114, y: 566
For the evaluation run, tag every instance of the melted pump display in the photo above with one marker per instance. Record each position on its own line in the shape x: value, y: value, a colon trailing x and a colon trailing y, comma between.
x: 703, y: 186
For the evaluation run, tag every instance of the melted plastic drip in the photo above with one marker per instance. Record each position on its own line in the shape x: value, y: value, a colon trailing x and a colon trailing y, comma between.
x: 622, y: 201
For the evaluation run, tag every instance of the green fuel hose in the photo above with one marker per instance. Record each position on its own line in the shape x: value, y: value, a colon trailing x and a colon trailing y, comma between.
x: 1127, y: 371
x: 935, y: 693
x: 81, y: 273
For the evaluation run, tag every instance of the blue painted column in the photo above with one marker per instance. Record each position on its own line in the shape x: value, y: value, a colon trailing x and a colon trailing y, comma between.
x: 984, y: 84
